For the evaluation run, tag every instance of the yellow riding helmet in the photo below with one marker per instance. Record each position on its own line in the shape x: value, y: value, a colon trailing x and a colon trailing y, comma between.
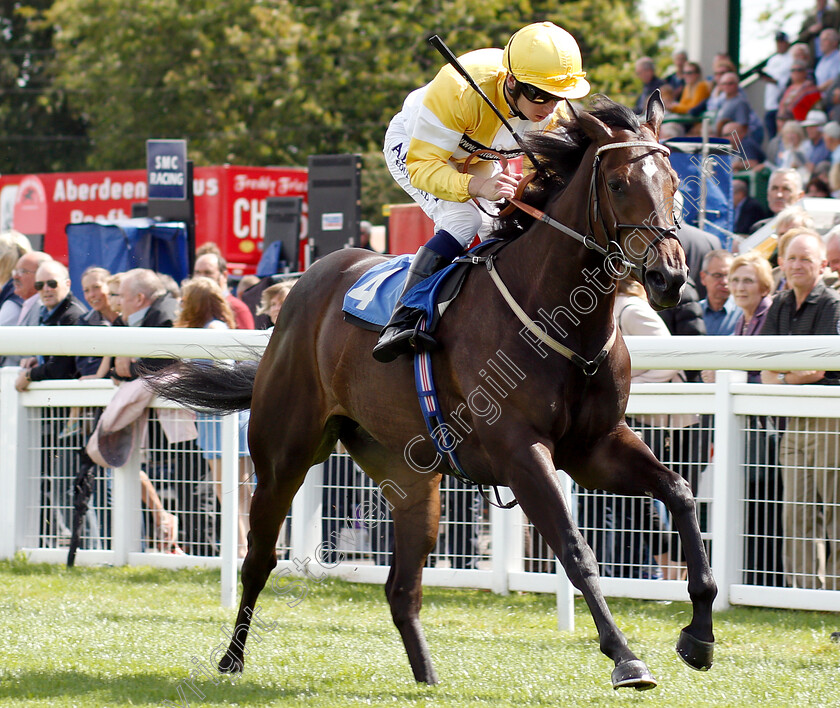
x: 548, y: 57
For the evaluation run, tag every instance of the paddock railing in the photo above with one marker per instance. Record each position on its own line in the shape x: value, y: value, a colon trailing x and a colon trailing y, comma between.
x: 728, y: 439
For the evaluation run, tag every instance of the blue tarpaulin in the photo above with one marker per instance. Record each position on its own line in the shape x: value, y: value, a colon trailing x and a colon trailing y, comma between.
x: 720, y: 163
x: 122, y: 245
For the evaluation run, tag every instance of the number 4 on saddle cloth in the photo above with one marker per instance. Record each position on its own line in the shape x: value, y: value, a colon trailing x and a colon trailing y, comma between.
x: 371, y: 300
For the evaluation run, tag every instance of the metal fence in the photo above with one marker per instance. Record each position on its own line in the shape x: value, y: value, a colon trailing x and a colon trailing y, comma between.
x: 761, y: 459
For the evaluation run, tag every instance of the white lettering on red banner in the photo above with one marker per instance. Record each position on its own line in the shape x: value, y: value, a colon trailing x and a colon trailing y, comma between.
x: 66, y: 190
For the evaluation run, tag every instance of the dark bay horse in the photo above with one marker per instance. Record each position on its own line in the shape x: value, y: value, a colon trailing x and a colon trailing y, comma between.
x: 605, y: 178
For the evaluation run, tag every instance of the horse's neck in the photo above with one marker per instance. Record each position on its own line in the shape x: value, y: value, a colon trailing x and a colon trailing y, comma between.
x: 556, y: 271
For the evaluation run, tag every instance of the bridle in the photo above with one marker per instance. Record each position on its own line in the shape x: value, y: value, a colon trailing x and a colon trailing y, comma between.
x: 613, y: 250
x: 594, y: 213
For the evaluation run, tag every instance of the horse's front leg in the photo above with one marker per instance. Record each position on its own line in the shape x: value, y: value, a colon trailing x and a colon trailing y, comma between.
x: 536, y: 486
x: 623, y: 464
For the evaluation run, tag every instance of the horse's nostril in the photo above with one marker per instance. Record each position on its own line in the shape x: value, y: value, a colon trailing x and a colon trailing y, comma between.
x: 655, y: 280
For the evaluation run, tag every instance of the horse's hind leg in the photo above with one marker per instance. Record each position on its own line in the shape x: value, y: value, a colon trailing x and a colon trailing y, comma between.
x: 626, y: 460
x: 269, y: 506
x: 536, y: 486
x: 415, y: 533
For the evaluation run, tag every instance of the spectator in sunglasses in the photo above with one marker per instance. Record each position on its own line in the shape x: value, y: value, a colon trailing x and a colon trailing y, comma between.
x: 58, y: 307
x: 695, y: 91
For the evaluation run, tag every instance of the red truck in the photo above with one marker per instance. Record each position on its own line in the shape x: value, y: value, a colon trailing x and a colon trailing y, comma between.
x: 230, y: 206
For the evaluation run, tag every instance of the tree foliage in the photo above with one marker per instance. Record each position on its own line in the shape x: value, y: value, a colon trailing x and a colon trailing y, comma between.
x: 38, y: 131
x: 274, y: 81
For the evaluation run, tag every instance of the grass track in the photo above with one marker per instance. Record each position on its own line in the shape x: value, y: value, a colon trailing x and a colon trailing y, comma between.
x: 125, y: 637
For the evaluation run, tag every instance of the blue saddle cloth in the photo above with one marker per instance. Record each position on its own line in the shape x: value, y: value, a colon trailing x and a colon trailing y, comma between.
x: 371, y: 300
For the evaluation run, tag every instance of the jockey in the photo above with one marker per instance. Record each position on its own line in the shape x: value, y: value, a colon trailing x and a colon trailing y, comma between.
x: 444, y: 122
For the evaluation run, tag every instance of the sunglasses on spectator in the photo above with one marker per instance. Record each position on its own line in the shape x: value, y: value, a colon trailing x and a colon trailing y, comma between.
x: 39, y: 284
x: 535, y: 95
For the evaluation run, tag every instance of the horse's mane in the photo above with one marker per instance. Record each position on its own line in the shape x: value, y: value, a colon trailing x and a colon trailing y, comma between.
x: 560, y: 152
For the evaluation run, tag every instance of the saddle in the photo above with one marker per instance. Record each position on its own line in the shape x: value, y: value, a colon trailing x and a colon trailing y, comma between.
x: 371, y: 300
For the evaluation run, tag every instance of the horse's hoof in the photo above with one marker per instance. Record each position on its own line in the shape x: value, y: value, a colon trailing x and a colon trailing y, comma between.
x: 694, y: 652
x: 835, y: 636
x: 633, y: 674
x: 231, y: 664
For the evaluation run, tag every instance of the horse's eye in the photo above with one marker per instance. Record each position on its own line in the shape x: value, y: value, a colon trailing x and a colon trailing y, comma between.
x: 614, y: 185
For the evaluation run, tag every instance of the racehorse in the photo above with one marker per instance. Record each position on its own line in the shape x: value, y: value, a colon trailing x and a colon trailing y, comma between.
x: 606, y: 181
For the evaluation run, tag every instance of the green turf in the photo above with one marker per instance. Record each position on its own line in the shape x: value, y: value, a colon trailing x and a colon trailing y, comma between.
x: 125, y: 637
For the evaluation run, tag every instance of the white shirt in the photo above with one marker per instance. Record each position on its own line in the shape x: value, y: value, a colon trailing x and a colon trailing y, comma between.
x: 778, y: 66
x: 9, y: 312
x: 828, y: 68
x: 135, y: 318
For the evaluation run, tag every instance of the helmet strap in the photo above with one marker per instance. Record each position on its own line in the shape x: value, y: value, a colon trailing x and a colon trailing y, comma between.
x: 515, y: 93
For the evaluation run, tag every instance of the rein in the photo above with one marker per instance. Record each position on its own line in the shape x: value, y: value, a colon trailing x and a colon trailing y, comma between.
x: 589, y: 368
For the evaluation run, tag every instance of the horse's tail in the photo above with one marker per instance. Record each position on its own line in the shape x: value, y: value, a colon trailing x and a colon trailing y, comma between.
x: 206, y: 386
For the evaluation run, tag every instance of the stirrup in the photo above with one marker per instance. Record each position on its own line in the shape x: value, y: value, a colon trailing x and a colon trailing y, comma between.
x: 396, y: 341
x: 421, y: 340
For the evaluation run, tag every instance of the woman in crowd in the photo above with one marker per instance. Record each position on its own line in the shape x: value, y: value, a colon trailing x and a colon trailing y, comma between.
x: 203, y: 306
x: 13, y: 245
x: 272, y: 300
x: 694, y: 93
x: 751, y: 282
x: 639, y: 528
x: 801, y: 85
x: 101, y: 314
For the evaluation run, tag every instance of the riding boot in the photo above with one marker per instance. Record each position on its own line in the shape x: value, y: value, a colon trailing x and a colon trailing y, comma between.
x: 400, y: 335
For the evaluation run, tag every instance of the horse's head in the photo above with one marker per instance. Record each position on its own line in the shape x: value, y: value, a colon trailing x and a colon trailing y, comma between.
x: 632, y: 201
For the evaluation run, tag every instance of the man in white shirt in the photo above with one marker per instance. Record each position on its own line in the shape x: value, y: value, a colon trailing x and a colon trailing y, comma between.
x: 776, y: 73
x: 828, y: 67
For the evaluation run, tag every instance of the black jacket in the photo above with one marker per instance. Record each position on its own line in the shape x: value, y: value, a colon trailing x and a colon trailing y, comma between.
x: 819, y: 314
x: 68, y: 312
x: 696, y: 244
x: 161, y: 313
x: 751, y: 212
x: 686, y: 318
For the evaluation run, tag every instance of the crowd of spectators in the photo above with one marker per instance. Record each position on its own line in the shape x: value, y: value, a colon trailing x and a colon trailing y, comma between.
x: 773, y: 274
x: 177, y: 494
x: 795, y: 124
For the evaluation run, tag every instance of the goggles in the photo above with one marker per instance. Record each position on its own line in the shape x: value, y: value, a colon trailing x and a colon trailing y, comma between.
x: 535, y: 95
x: 39, y: 284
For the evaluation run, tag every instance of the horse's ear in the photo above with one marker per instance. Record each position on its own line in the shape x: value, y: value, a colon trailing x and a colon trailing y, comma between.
x: 595, y: 129
x: 654, y: 112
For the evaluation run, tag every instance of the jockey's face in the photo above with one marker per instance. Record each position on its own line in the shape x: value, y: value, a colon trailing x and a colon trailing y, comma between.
x: 534, y: 112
